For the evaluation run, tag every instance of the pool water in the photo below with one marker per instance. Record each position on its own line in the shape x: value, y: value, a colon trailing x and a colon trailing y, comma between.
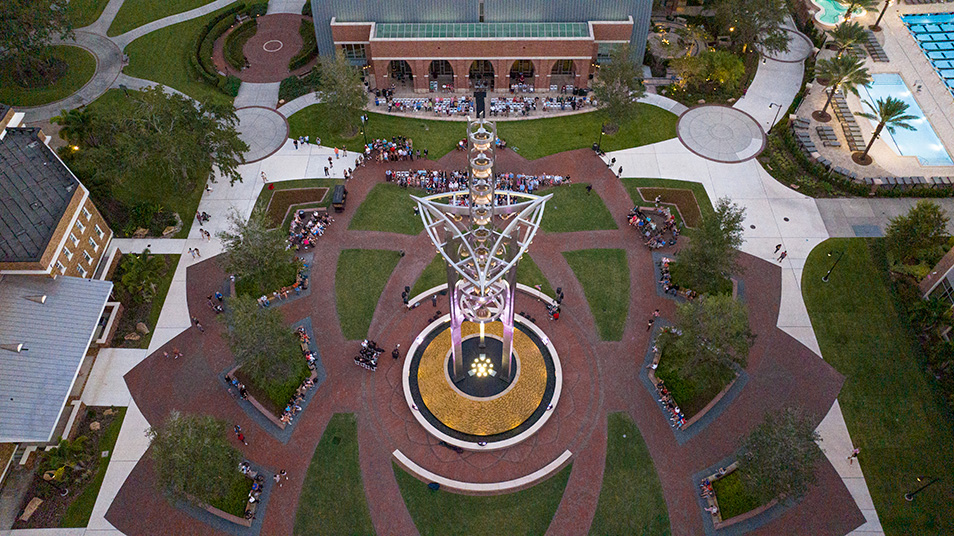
x: 922, y: 142
x: 935, y: 35
x: 833, y: 12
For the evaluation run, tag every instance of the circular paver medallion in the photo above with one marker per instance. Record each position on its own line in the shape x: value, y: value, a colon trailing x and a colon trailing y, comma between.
x: 721, y: 133
x: 263, y: 129
x: 272, y: 46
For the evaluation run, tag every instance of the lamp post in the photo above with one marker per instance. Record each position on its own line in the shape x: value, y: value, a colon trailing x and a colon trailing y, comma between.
x: 778, y: 109
x: 364, y: 128
x: 599, y: 144
x: 840, y: 255
x: 910, y: 496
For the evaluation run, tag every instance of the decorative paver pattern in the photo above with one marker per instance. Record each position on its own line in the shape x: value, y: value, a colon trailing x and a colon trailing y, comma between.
x: 721, y: 134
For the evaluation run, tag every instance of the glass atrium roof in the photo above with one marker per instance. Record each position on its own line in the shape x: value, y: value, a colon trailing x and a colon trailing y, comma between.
x: 431, y: 30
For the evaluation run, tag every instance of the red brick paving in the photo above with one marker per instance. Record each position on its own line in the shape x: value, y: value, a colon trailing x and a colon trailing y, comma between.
x: 267, y: 66
x: 600, y: 377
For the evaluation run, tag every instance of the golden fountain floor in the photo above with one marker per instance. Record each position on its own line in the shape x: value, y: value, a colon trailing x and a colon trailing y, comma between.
x: 474, y: 416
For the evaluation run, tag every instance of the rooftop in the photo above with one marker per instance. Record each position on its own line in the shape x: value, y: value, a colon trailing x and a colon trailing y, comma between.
x: 487, y: 30
x: 35, y: 189
x: 35, y: 382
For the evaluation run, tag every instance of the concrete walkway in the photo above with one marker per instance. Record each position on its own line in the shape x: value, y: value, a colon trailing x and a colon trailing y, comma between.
x: 285, y: 6
x: 106, y: 18
x: 132, y: 35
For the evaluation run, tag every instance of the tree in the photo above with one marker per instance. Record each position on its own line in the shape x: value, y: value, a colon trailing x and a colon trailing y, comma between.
x: 778, y: 457
x: 710, y: 70
x: 922, y: 228
x: 257, y: 253
x: 157, y: 133
x: 755, y: 22
x: 876, y: 26
x: 847, y: 35
x: 76, y: 124
x: 619, y: 86
x: 26, y: 29
x: 714, y: 329
x: 267, y: 350
x: 889, y: 113
x: 140, y: 275
x: 855, y: 5
x: 194, y: 461
x: 343, y: 93
x: 713, y: 248
x: 842, y: 72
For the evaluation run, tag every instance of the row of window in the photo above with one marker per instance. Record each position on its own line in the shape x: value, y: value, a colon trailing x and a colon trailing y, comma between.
x: 81, y: 227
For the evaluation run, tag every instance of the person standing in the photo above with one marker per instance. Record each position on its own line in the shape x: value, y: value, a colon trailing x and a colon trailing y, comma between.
x: 396, y: 354
x: 853, y: 456
x: 783, y: 255
x: 777, y: 247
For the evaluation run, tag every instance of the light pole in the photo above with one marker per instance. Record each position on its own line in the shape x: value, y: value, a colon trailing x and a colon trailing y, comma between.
x: 364, y: 128
x: 778, y: 108
x: 599, y: 144
x: 840, y: 255
x: 910, y: 496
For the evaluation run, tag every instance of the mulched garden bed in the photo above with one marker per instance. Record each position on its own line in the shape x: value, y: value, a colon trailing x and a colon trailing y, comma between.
x: 83, y: 484
x: 282, y: 199
x: 685, y: 201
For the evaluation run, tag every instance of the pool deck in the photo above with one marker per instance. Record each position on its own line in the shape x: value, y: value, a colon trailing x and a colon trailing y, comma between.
x: 934, y: 99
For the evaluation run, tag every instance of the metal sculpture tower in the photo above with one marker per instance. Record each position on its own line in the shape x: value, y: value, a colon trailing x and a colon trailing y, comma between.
x: 481, y: 233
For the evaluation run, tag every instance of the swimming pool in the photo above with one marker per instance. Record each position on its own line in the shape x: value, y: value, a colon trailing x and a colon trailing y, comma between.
x: 832, y: 12
x: 923, y: 142
x: 935, y: 35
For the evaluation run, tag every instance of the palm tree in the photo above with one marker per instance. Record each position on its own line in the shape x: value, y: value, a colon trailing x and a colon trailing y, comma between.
x: 845, y: 72
x: 76, y: 125
x: 847, y: 35
x: 141, y: 275
x: 876, y: 26
x: 854, y: 5
x: 888, y: 112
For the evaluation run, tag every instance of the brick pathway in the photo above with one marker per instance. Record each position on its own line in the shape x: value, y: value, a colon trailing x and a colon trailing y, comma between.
x: 600, y: 377
x: 268, y: 52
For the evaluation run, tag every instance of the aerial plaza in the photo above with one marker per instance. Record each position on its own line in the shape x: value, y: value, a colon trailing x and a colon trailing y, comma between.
x: 355, y: 267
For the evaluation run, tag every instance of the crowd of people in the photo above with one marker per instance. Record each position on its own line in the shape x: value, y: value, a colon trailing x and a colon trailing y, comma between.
x: 668, y: 286
x: 440, y: 181
x: 258, y: 485
x: 301, y: 283
x: 396, y: 149
x: 677, y: 418
x: 306, y: 227
x: 654, y: 234
x: 446, y: 106
x: 368, y: 355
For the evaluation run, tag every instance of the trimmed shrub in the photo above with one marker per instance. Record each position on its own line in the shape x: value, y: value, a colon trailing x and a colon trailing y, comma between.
x: 235, y: 43
x: 309, y: 46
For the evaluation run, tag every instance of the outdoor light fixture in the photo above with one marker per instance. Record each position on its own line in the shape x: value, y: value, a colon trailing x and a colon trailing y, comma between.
x: 482, y: 367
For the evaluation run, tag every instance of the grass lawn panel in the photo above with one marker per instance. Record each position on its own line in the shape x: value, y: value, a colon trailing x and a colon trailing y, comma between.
x: 734, y: 498
x: 236, y: 498
x: 80, y: 510
x: 694, y: 392
x: 702, y: 202
x: 135, y: 13
x: 80, y: 68
x: 542, y: 137
x: 441, y: 512
x: 147, y: 312
x: 604, y: 275
x: 85, y: 12
x: 332, y: 499
x: 631, y: 498
x: 679, y: 275
x: 266, y: 195
x: 360, y: 277
x: 388, y: 207
x: 532, y: 138
x: 282, y: 199
x: 435, y: 274
x: 162, y: 56
x: 684, y: 199
x: 572, y: 209
x: 255, y: 287
x: 275, y: 394
x: 890, y: 408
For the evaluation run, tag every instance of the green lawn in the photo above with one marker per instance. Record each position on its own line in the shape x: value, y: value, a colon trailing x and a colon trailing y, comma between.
x: 236, y: 498
x: 359, y: 280
x: 440, y: 512
x: 572, y: 209
x: 162, y: 56
x: 265, y: 195
x: 702, y: 198
x: 80, y: 68
x: 631, y: 499
x: 604, y: 275
x: 135, y: 13
x: 891, y: 411
x: 388, y: 207
x: 79, y: 511
x: 734, y: 499
x: 147, y: 312
x: 332, y: 499
x: 435, y: 274
x: 532, y: 138
x: 692, y: 393
x: 255, y: 286
x: 85, y: 12
x: 680, y: 274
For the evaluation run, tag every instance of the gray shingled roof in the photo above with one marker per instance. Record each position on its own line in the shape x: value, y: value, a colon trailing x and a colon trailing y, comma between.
x: 35, y: 189
x: 35, y: 383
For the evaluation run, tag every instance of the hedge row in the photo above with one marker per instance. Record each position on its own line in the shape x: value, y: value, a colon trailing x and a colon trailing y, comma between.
x: 201, y: 58
x: 235, y: 43
x: 309, y: 45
